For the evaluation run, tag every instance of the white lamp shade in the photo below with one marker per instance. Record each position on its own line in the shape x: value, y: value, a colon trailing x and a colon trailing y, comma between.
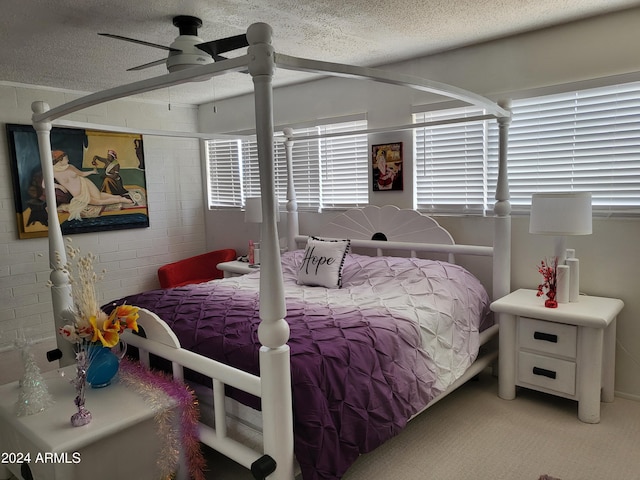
x: 253, y: 210
x: 561, y: 213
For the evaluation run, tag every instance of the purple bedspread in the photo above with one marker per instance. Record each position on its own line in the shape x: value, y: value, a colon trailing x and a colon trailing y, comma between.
x: 364, y: 358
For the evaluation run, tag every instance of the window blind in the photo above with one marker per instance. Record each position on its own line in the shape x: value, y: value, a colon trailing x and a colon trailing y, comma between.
x: 450, y: 163
x: 305, y: 160
x: 587, y: 140
x: 329, y: 172
x: 251, y: 170
x: 345, y: 166
x: 224, y: 173
x: 250, y: 174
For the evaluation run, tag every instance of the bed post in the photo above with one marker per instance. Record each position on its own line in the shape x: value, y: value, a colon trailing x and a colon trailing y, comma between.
x: 273, y: 332
x: 502, y: 259
x: 61, y: 287
x: 502, y: 210
x: 292, y: 205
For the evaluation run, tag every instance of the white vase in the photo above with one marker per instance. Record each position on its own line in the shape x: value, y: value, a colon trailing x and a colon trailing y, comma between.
x: 562, y: 284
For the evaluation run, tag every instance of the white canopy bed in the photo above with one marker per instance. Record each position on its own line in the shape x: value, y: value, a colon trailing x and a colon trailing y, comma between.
x: 273, y: 384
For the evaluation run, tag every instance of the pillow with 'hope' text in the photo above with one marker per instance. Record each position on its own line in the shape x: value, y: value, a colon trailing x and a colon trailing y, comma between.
x: 322, y: 262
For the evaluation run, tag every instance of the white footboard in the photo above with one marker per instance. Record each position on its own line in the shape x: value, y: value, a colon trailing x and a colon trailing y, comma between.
x: 159, y: 340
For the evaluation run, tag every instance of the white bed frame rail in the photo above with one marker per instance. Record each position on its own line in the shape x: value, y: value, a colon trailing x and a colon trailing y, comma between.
x: 275, y: 383
x: 413, y: 248
x: 159, y: 340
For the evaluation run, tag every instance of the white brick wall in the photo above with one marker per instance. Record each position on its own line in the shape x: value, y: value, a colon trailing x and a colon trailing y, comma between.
x: 131, y: 257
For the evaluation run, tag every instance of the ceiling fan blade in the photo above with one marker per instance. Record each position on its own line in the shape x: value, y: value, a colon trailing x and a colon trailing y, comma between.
x: 141, y: 42
x: 219, y: 58
x: 222, y: 45
x: 147, y: 65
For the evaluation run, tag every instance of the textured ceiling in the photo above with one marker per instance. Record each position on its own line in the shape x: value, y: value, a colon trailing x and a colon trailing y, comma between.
x: 55, y: 43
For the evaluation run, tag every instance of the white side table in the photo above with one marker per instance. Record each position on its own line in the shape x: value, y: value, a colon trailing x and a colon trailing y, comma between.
x: 567, y: 351
x: 236, y: 268
x: 121, y: 441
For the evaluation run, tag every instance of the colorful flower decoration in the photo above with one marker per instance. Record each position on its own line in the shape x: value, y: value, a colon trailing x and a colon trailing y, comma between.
x: 548, y: 287
x: 91, y: 325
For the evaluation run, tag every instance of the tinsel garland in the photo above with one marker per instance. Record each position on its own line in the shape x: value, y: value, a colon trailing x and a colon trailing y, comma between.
x: 157, y: 387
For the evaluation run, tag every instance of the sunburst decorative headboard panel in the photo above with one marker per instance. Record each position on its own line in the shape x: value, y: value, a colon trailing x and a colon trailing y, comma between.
x: 395, y: 230
x: 397, y: 225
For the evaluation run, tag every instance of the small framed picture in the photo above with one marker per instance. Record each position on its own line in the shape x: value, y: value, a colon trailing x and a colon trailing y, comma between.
x: 386, y: 162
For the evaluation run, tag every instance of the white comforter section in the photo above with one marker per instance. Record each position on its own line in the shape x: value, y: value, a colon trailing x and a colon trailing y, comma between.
x: 446, y: 302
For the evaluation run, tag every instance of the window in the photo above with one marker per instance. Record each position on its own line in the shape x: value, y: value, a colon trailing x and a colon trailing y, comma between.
x: 583, y: 141
x: 330, y: 170
x: 224, y: 173
x: 345, y: 166
x: 450, y: 163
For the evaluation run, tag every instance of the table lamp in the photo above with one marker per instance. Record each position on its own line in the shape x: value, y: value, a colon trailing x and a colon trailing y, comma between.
x: 560, y: 214
x: 253, y: 210
x: 253, y: 214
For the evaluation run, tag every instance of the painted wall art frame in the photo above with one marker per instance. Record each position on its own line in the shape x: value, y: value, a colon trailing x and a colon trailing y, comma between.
x: 387, y: 166
x: 99, y: 177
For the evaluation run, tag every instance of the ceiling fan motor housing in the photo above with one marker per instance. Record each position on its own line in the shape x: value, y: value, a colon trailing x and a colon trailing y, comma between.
x: 189, y: 55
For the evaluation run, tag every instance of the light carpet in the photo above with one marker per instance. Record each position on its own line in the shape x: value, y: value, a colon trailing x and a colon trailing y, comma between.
x: 472, y: 434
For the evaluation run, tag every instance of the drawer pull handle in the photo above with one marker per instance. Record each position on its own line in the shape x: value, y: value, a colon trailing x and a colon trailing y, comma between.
x: 547, y: 337
x: 544, y: 372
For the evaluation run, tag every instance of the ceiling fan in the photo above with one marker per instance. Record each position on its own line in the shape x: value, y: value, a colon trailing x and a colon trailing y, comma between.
x: 188, y: 50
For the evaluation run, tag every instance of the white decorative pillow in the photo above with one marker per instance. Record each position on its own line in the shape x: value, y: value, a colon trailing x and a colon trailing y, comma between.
x: 322, y: 262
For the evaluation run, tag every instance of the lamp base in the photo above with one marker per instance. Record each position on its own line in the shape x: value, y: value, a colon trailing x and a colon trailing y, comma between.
x: 560, y: 249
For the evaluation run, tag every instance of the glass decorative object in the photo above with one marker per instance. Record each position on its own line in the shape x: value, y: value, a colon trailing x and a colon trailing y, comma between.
x: 34, y: 396
x: 103, y: 364
x: 82, y: 416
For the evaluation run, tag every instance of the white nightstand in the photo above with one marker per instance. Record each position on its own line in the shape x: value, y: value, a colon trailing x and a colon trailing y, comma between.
x: 120, y: 441
x: 235, y: 268
x: 567, y: 351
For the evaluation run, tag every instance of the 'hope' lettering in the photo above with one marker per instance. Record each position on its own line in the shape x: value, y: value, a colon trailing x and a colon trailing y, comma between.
x: 311, y: 260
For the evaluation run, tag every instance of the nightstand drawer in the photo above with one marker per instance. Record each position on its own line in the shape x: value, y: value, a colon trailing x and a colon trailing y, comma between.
x: 547, y: 372
x: 547, y: 337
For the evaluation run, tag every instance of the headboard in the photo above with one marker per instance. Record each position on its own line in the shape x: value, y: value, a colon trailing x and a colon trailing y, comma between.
x: 388, y: 223
x: 391, y: 229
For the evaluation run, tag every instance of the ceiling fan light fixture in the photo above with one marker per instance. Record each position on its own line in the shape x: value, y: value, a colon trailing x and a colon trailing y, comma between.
x: 183, y: 61
x: 186, y: 54
x: 188, y: 49
x: 177, y: 68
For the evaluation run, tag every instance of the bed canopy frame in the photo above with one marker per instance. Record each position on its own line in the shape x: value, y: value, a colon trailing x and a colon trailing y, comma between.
x: 273, y: 333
